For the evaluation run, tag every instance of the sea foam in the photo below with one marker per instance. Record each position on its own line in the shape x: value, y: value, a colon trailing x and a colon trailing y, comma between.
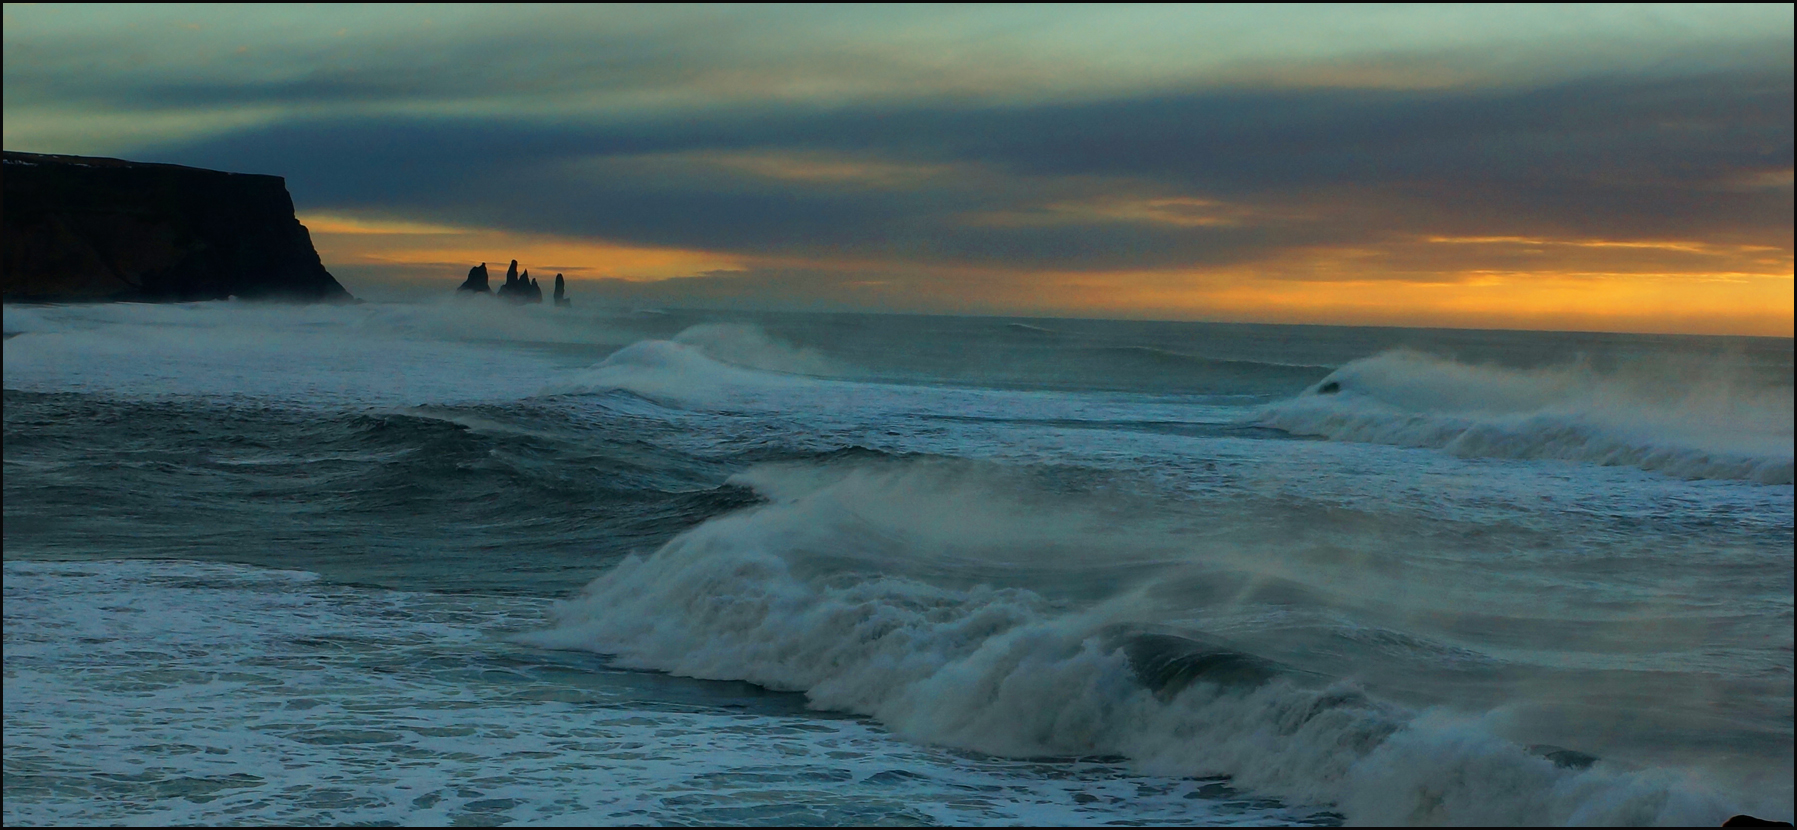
x: 295, y: 356
x: 1694, y: 420
x: 828, y: 590
x: 209, y: 694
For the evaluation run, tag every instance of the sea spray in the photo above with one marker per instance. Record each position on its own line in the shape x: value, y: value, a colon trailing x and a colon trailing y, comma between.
x: 802, y: 594
x: 1688, y: 419
x: 1083, y: 550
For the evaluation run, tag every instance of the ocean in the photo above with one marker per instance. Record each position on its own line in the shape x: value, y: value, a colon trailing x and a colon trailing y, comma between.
x: 468, y: 563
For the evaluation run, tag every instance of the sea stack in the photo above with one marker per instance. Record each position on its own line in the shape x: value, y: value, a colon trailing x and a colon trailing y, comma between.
x: 477, y: 281
x: 561, y: 290
x: 520, y: 288
x: 84, y: 229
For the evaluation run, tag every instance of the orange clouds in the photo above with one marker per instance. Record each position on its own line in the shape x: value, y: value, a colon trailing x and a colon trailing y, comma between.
x: 1666, y: 304
x: 423, y: 251
x: 1671, y: 286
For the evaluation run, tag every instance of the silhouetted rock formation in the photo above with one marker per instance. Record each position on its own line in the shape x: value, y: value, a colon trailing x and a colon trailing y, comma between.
x: 1750, y: 821
x: 477, y: 280
x: 561, y: 290
x: 80, y: 229
x: 520, y: 288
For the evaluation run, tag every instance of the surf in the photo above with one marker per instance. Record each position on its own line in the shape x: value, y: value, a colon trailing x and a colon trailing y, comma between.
x: 1024, y: 626
x: 1692, y: 418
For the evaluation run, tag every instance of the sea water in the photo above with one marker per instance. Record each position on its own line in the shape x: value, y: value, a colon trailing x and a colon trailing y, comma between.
x: 472, y: 563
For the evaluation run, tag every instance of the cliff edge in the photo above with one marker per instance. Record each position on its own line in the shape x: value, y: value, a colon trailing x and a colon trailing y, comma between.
x: 79, y: 229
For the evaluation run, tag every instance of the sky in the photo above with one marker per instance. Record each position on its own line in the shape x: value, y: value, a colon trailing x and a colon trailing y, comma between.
x: 1613, y: 167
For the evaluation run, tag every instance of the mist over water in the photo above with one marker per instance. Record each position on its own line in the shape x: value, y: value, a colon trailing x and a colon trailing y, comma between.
x: 1708, y: 416
x: 1249, y: 574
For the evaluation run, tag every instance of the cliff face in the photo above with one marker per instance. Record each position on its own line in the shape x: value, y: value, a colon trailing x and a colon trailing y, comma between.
x: 83, y: 229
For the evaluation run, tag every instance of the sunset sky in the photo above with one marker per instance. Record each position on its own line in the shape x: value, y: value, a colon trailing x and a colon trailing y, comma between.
x: 1605, y: 167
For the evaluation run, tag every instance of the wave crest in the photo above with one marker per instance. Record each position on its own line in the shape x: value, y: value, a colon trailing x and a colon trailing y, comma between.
x: 748, y: 346
x: 1697, y: 420
x: 808, y: 593
x: 703, y: 363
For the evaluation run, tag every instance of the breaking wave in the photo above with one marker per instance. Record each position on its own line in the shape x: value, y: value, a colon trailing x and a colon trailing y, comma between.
x: 832, y: 591
x: 1709, y: 420
x: 748, y: 346
x: 664, y: 369
x: 704, y: 362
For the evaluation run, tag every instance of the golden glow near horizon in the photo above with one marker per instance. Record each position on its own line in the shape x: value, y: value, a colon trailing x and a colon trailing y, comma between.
x: 1743, y: 304
x: 426, y: 251
x: 1345, y: 286
x: 1580, y: 167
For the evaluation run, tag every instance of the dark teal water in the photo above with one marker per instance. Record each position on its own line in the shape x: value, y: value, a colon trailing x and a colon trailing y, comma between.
x: 1485, y: 541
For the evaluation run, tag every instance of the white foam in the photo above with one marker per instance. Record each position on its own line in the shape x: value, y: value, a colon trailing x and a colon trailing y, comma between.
x: 188, y: 693
x: 736, y: 367
x: 666, y: 369
x: 318, y: 355
x: 811, y: 593
x: 713, y: 363
x: 746, y: 345
x: 1691, y: 420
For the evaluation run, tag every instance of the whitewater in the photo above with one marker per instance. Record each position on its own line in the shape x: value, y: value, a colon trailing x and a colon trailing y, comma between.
x: 460, y: 562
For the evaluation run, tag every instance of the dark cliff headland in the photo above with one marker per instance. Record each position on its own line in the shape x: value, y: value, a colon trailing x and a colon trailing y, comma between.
x: 81, y: 229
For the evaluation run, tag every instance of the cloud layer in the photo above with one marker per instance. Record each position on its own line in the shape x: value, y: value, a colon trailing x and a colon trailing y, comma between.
x: 983, y: 159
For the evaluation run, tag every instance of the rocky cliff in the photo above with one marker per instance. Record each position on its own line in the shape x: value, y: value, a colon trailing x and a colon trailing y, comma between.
x: 83, y: 229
